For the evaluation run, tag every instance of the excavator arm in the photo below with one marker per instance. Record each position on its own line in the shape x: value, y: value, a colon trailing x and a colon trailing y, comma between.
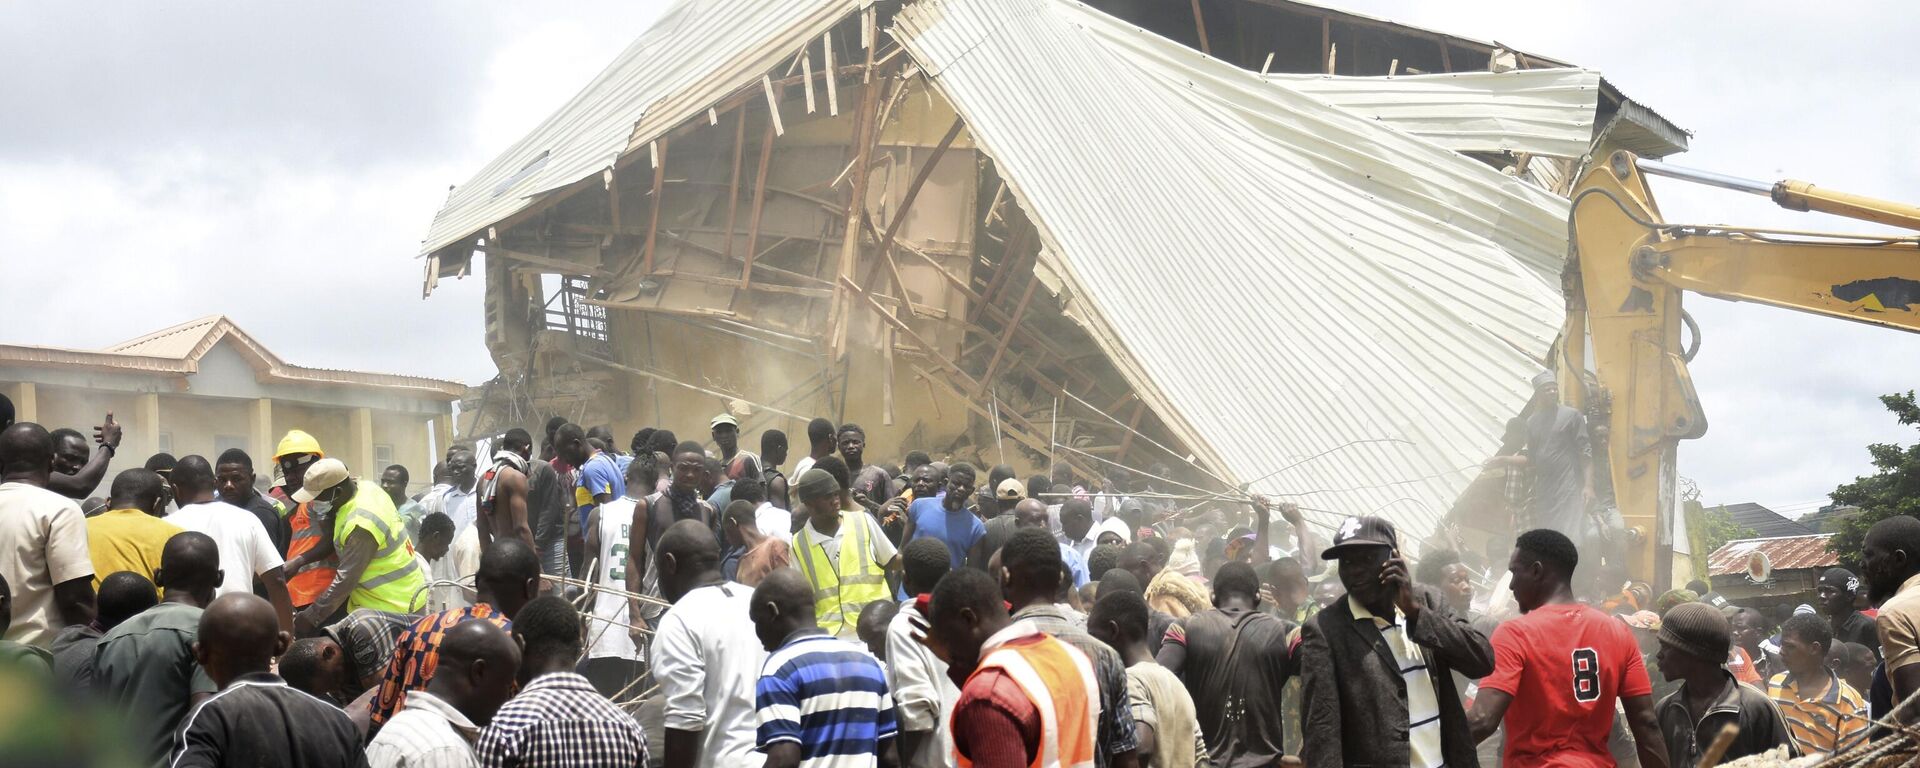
x: 1624, y: 285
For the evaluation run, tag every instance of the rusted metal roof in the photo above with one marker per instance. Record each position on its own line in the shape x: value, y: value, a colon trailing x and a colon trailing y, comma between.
x: 1785, y: 552
x: 177, y: 351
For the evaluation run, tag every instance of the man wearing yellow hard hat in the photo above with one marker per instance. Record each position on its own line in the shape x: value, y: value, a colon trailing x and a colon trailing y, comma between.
x: 376, y: 567
x: 310, y: 550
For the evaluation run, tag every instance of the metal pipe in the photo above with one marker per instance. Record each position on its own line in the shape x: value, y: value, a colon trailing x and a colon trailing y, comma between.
x: 1709, y: 178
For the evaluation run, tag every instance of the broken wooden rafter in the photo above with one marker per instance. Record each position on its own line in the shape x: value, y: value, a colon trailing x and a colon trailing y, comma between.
x: 1018, y: 427
x: 661, y: 377
x: 560, y: 266
x: 1019, y: 313
x: 759, y: 205
x: 856, y: 206
x: 653, y: 227
x: 888, y: 239
x: 896, y: 322
x: 733, y: 187
x: 1200, y: 28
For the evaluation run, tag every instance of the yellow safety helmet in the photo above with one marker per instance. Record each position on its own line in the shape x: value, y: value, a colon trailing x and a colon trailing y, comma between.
x: 298, y: 441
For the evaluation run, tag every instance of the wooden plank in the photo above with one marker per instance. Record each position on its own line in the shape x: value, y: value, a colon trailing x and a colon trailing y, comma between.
x: 759, y: 204
x: 1015, y: 250
x: 888, y: 240
x: 653, y: 227
x: 1326, y: 37
x: 1019, y: 312
x: 1200, y: 26
x: 886, y: 377
x: 1446, y: 56
x: 927, y: 348
x: 733, y: 187
x: 560, y: 265
x: 856, y: 207
x: 1133, y: 424
x: 661, y: 377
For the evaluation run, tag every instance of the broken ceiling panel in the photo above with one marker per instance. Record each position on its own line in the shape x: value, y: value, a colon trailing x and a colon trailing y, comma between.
x: 1539, y: 111
x: 698, y: 52
x: 1277, y: 277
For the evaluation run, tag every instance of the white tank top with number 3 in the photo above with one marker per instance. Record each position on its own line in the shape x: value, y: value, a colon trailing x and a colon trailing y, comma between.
x: 610, y: 571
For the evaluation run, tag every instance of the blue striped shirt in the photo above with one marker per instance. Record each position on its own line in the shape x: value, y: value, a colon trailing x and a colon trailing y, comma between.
x: 827, y: 695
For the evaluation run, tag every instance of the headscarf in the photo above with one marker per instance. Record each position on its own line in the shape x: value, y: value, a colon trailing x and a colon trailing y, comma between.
x: 1116, y: 526
x: 1674, y: 597
x: 1177, y: 595
x: 1183, y: 561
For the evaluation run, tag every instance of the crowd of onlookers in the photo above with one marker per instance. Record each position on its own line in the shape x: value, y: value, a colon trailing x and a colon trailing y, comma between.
x: 693, y: 603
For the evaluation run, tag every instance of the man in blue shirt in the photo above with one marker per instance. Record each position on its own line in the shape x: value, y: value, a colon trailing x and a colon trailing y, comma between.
x: 600, y: 477
x: 820, y: 700
x: 946, y: 516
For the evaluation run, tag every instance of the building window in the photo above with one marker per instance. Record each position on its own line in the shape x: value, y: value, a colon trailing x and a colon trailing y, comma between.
x: 567, y: 310
x: 382, y: 456
x: 224, y: 443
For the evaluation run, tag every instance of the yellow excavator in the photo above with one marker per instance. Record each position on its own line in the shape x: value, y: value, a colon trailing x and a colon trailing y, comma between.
x: 1624, y: 281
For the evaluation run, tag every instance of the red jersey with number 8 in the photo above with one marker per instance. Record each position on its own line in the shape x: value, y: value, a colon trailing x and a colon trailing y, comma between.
x: 1564, y: 666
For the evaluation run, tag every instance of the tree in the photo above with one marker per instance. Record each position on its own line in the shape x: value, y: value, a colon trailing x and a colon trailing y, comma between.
x: 1892, y: 490
x: 1715, y: 528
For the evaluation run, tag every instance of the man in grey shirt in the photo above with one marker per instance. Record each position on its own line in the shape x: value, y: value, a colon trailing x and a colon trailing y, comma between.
x: 1560, y: 457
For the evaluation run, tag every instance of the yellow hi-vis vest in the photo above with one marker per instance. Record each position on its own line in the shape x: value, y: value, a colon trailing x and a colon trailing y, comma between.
x: 840, y: 592
x: 393, y: 580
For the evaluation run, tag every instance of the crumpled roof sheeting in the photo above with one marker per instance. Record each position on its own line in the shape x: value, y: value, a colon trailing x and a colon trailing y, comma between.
x: 697, y: 53
x: 1541, y: 111
x: 1276, y: 277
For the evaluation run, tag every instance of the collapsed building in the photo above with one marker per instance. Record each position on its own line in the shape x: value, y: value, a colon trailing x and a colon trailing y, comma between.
x: 1229, y: 243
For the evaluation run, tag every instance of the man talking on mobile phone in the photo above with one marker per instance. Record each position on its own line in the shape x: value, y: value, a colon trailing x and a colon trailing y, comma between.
x: 1378, y: 666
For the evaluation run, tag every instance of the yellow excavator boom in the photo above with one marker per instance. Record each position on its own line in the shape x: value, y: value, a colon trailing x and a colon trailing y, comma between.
x: 1624, y: 285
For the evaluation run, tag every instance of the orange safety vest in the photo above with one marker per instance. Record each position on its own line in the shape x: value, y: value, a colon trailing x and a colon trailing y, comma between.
x: 307, y: 585
x: 1059, y: 680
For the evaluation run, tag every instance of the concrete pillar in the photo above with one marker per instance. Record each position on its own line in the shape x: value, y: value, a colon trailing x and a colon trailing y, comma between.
x: 359, y: 454
x: 260, y: 436
x: 144, y: 431
x: 26, y: 401
x: 442, y: 437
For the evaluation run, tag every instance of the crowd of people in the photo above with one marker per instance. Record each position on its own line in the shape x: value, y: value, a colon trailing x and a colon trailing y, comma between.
x: 663, y: 603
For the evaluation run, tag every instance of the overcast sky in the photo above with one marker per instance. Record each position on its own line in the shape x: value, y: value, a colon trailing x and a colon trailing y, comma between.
x: 280, y: 164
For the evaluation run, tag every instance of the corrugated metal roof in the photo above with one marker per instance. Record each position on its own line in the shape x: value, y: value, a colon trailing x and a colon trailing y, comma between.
x: 697, y: 53
x: 1542, y: 111
x: 1275, y: 276
x: 1766, y: 523
x: 178, y: 341
x: 1785, y: 552
x: 177, y: 351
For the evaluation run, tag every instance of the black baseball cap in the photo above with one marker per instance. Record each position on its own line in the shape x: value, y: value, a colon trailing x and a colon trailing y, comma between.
x: 1364, y: 531
x: 1840, y: 578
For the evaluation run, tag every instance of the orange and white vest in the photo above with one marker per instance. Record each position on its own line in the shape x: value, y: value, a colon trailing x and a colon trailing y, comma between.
x: 1059, y: 680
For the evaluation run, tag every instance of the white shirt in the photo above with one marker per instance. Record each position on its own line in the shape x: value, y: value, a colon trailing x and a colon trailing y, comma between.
x: 774, y: 521
x: 441, y: 599
x: 43, y: 542
x: 457, y: 504
x: 245, y: 549
x: 923, y: 696
x: 1423, y: 708
x: 427, y: 732
x: 707, y: 660
x: 806, y: 463
x: 464, y: 555
x: 606, y: 640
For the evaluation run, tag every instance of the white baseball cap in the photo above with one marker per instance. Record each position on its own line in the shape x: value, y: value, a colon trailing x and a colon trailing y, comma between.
x: 321, y: 476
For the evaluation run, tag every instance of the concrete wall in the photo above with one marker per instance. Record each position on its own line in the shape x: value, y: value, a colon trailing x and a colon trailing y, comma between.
x: 224, y: 405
